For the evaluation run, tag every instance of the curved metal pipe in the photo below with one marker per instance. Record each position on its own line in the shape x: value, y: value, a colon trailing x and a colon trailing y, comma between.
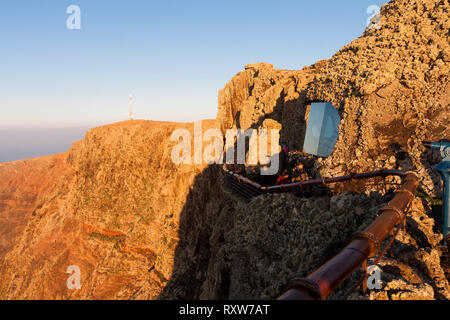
x: 320, y: 283
x: 324, y: 181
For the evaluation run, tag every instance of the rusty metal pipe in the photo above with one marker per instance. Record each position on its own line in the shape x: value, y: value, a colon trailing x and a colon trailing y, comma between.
x: 320, y: 283
x: 243, y: 179
x: 324, y: 181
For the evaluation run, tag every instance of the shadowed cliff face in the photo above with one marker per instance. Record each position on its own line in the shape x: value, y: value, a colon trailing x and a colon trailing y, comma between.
x: 392, y: 90
x: 390, y: 86
x: 233, y: 249
x: 110, y: 205
x: 140, y: 227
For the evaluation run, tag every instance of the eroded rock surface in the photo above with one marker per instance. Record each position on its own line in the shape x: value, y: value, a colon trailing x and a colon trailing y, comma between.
x: 141, y: 227
x: 390, y: 86
x: 113, y: 210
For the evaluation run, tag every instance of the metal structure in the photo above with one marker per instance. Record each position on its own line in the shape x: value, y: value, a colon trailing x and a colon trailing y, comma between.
x: 130, y: 115
x: 444, y: 170
x: 252, y: 188
x: 365, y: 244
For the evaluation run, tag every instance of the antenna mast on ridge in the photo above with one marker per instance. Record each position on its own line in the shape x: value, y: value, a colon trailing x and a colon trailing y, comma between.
x: 130, y: 116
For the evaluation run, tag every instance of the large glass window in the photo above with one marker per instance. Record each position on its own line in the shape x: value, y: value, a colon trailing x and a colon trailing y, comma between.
x: 322, y: 130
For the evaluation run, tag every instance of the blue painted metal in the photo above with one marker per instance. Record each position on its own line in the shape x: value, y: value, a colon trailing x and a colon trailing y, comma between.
x: 444, y: 170
x: 322, y: 130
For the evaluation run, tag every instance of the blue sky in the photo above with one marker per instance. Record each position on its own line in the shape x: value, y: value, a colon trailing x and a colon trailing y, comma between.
x: 173, y: 56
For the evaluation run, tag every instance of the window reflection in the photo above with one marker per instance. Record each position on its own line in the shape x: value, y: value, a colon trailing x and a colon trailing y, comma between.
x: 322, y: 130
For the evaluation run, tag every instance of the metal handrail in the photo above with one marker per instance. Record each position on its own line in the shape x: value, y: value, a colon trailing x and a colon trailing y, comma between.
x: 364, y: 245
x: 296, y: 185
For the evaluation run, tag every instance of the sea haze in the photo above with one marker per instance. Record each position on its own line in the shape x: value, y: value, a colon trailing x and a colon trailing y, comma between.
x: 18, y: 144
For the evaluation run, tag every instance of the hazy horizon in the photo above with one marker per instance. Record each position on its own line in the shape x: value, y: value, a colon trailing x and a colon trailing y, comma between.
x: 34, y: 142
x: 19, y: 144
x: 173, y: 57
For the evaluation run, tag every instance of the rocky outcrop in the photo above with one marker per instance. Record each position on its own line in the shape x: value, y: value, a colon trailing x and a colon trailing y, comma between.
x: 113, y: 209
x: 391, y: 88
x: 254, y: 248
x: 415, y: 267
x: 23, y: 184
x: 141, y: 227
x: 238, y: 250
x: 264, y: 97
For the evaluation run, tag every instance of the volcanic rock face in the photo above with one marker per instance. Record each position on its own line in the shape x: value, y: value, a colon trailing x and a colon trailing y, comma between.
x: 256, y: 248
x: 264, y: 97
x: 156, y: 230
x: 23, y: 184
x: 111, y: 206
x: 141, y: 227
x: 392, y: 89
x: 239, y: 250
x: 390, y: 86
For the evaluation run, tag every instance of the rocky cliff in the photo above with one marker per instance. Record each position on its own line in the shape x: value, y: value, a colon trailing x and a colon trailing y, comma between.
x: 141, y: 227
x: 390, y: 86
